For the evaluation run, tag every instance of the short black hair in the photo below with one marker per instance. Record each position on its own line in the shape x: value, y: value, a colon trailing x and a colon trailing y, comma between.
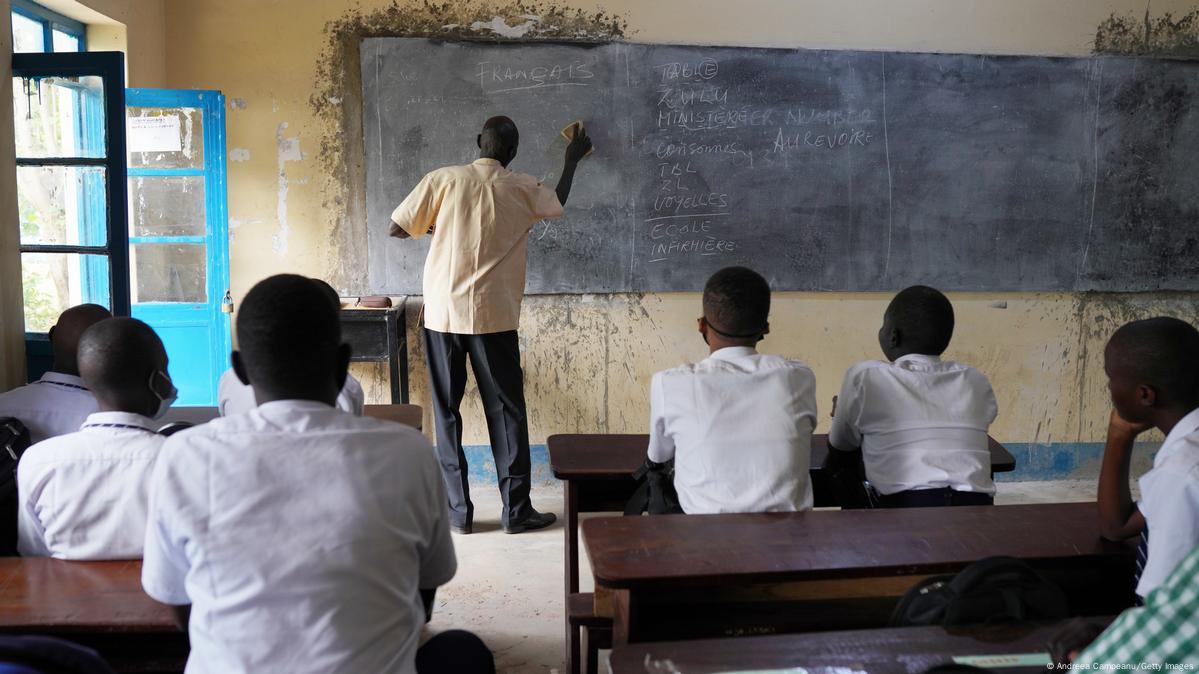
x: 328, y: 290
x: 288, y: 333
x: 498, y: 135
x: 118, y: 354
x: 924, y: 318
x: 737, y: 302
x: 1162, y: 352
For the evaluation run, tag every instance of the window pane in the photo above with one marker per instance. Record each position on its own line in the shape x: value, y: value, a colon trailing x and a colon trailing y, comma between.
x: 168, y: 272
x: 64, y: 42
x: 166, y: 138
x: 166, y: 206
x: 55, y: 282
x: 27, y: 35
x: 62, y: 205
x: 59, y: 116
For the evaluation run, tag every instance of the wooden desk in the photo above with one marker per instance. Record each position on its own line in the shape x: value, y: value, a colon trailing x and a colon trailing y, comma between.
x: 97, y: 604
x: 597, y: 470
x: 377, y: 336
x: 884, y: 651
x: 409, y: 415
x: 695, y: 576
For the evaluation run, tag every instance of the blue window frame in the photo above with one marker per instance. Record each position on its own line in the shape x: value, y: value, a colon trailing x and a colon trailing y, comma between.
x: 58, y: 33
x: 82, y: 231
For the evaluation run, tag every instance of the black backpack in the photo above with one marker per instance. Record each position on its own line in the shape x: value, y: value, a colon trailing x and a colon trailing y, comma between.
x: 655, y: 494
x: 995, y: 589
x: 14, y: 440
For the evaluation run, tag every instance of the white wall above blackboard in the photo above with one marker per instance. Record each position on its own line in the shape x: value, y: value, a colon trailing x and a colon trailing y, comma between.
x: 824, y: 170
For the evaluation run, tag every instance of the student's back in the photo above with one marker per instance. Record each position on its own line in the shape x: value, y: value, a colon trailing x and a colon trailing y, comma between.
x: 307, y: 532
x: 83, y: 495
x: 59, y: 402
x: 741, y: 426
x: 920, y: 422
x: 296, y: 537
x: 737, y: 424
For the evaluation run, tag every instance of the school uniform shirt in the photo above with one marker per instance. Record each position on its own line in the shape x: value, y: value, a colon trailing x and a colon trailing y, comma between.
x: 84, y: 495
x: 738, y: 425
x: 480, y: 216
x: 1163, y: 631
x: 234, y: 397
x: 1170, y: 502
x: 301, y: 536
x: 921, y: 423
x: 56, y: 404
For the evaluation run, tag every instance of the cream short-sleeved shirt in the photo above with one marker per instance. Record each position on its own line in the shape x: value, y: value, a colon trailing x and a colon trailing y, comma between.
x: 480, y: 216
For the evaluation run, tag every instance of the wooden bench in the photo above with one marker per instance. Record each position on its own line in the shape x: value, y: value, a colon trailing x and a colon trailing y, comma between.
x: 98, y: 604
x: 597, y: 471
x: 884, y: 651
x: 702, y: 576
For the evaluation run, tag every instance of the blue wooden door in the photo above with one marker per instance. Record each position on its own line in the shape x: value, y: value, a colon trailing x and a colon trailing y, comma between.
x: 178, y: 231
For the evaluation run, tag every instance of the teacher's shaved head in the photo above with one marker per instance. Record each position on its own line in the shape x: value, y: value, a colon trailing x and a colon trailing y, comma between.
x: 499, y: 139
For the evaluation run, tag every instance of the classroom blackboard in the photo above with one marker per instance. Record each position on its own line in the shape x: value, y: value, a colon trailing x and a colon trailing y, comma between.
x: 823, y: 170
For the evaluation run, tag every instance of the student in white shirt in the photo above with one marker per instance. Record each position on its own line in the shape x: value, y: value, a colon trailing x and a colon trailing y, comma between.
x: 737, y: 424
x: 59, y: 402
x: 1152, y: 368
x: 84, y: 495
x: 237, y: 397
x: 920, y: 422
x: 298, y: 538
x: 234, y: 397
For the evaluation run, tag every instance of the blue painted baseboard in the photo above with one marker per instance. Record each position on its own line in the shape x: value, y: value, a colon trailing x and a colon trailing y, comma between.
x: 1034, y: 462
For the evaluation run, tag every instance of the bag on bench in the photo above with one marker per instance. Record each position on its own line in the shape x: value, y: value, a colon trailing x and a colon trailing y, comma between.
x: 995, y: 589
x: 656, y: 494
x: 14, y: 440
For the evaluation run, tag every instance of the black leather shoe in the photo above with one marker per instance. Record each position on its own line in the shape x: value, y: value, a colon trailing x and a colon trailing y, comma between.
x: 531, y: 523
x: 463, y: 529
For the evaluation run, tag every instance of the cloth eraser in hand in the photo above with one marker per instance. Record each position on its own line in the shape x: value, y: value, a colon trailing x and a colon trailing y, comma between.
x: 573, y: 129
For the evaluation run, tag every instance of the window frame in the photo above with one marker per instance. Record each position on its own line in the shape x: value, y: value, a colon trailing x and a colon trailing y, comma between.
x: 52, y: 21
x: 110, y: 66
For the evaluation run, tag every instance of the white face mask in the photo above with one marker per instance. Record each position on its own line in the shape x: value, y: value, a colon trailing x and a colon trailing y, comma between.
x: 164, y: 403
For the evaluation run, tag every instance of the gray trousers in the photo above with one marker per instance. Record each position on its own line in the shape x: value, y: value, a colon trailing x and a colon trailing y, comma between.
x: 495, y: 360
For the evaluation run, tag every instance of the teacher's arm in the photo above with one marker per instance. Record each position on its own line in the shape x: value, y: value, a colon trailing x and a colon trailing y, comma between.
x: 414, y: 217
x: 578, y: 148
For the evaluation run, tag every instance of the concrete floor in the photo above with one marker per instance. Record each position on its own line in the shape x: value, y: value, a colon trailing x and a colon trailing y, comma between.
x: 509, y: 588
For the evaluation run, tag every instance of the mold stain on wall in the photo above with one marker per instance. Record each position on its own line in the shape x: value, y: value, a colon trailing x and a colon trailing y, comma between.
x: 336, y: 100
x: 1166, y: 35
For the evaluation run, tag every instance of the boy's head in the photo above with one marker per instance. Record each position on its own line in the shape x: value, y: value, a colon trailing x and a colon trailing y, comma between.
x: 123, y: 363
x: 67, y: 331
x: 918, y: 320
x: 329, y: 291
x: 1152, y: 367
x: 736, y: 308
x: 289, y: 341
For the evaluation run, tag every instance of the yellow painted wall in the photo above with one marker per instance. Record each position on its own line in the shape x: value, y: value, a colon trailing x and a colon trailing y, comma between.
x: 12, y: 323
x: 589, y: 358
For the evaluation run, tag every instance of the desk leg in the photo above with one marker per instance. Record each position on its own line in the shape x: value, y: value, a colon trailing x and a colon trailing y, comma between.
x: 570, y: 507
x: 626, y: 612
x: 402, y: 329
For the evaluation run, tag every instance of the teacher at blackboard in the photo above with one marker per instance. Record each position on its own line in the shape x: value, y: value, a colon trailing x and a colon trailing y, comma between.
x: 480, y: 216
